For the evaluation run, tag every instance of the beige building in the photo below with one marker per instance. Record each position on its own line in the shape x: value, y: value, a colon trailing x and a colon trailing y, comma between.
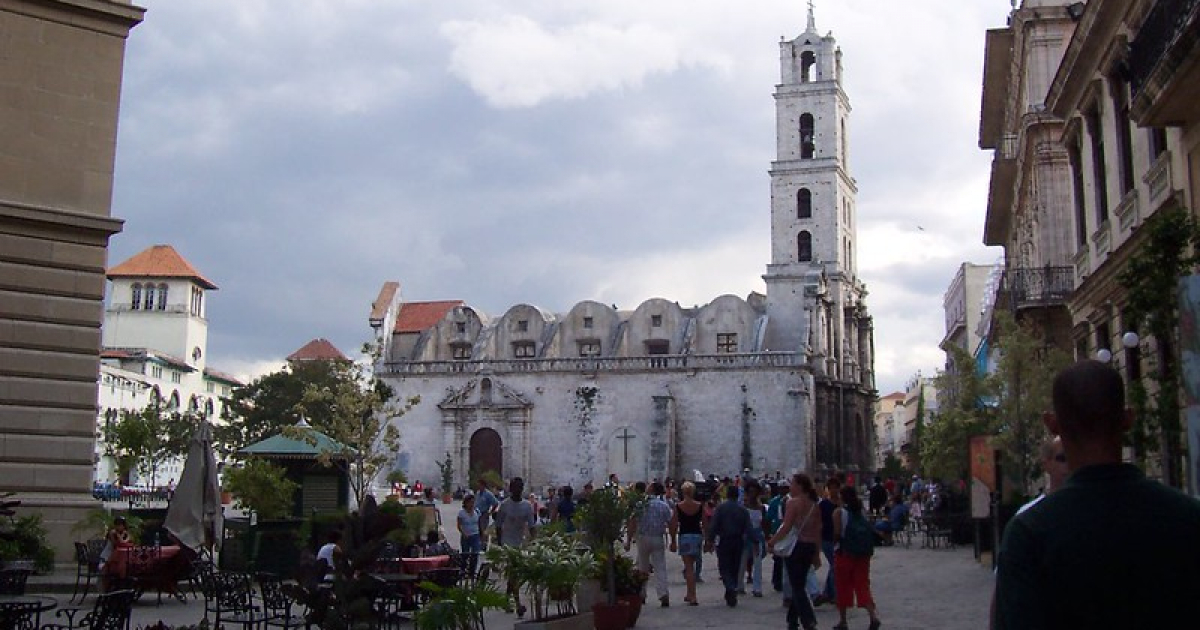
x: 920, y: 402
x: 963, y: 305
x: 886, y: 432
x: 1120, y: 99
x: 60, y: 85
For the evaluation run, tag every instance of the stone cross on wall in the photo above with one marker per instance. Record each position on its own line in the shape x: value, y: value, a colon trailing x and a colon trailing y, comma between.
x: 625, y: 436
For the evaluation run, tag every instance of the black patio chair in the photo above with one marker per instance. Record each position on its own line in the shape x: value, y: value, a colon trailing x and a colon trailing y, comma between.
x: 87, y: 566
x: 235, y: 601
x: 278, y: 600
x: 111, y: 612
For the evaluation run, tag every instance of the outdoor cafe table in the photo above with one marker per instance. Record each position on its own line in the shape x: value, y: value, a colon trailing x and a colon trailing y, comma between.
x: 14, y: 607
x: 417, y: 565
x: 161, y: 573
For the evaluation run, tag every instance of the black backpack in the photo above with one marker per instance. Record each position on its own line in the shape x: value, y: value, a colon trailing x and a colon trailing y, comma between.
x: 858, y: 536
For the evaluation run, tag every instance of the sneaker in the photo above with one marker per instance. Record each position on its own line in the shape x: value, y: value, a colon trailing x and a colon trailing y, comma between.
x: 875, y: 623
x: 757, y: 593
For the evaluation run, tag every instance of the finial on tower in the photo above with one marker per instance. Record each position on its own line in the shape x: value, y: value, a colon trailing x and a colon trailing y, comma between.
x: 812, y: 19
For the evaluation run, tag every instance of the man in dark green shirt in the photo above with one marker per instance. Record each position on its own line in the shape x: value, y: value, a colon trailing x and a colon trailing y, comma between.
x: 1110, y: 549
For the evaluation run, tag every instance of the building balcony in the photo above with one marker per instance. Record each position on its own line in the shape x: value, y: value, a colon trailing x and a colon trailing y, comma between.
x: 1164, y: 65
x: 1036, y: 287
x: 1001, y: 192
x: 591, y: 365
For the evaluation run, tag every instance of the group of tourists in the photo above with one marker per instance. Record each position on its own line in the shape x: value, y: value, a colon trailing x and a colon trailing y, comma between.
x: 739, y: 520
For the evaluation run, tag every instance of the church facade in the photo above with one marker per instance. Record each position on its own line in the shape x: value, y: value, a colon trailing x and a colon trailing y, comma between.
x: 776, y: 382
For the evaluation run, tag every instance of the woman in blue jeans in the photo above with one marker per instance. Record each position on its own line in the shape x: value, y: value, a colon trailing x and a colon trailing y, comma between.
x: 801, y: 514
x: 468, y: 531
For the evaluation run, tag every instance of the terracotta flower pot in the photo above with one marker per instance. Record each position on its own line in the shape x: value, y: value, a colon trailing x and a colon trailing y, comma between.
x: 635, y: 607
x: 614, y: 617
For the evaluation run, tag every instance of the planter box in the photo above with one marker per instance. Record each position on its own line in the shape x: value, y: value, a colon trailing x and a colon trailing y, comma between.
x: 589, y: 593
x: 581, y: 621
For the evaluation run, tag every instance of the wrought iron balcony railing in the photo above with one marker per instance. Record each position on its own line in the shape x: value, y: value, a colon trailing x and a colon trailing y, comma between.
x: 1167, y: 21
x: 1041, y: 286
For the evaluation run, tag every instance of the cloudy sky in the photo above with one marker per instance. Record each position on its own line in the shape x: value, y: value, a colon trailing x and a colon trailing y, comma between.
x: 301, y: 153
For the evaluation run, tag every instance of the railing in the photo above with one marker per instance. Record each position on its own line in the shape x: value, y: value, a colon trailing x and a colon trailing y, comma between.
x: 663, y: 362
x: 1159, y: 32
x: 1045, y: 286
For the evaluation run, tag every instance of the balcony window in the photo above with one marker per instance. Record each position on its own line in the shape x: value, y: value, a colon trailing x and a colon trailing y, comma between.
x: 589, y: 348
x: 524, y: 350
x: 460, y: 351
x: 727, y: 343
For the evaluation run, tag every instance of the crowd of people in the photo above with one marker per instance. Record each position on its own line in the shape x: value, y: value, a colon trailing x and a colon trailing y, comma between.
x: 1101, y: 547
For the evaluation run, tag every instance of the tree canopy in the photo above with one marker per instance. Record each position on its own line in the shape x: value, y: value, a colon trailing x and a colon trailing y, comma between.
x: 141, y: 440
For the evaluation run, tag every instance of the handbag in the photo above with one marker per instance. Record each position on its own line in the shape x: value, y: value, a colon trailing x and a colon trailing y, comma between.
x: 784, y: 547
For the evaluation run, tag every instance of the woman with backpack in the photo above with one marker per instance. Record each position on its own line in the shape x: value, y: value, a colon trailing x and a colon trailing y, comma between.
x: 854, y: 538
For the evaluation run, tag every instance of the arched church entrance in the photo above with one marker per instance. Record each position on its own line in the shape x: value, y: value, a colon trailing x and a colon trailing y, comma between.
x: 487, y: 452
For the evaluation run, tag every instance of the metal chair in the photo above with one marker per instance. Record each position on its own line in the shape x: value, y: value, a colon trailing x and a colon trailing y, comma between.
x: 277, y: 603
x: 111, y: 612
x: 445, y: 577
x: 235, y: 600
x: 87, y: 566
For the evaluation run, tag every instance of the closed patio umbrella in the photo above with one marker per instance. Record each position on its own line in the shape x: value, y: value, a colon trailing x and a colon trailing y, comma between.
x: 195, y: 516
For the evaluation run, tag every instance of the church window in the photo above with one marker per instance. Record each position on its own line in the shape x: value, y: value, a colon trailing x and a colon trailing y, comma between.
x: 589, y: 348
x: 804, y: 203
x: 807, y: 61
x: 148, y: 304
x: 162, y: 297
x: 804, y: 247
x: 524, y: 350
x: 656, y: 347
x: 137, y: 296
x: 588, y: 322
x: 485, y: 391
x: 522, y: 325
x: 807, y: 138
x: 727, y: 343
x: 193, y: 404
x: 656, y: 321
x: 460, y: 328
x: 173, y: 404
x: 460, y: 351
x: 845, y: 146
x: 156, y: 395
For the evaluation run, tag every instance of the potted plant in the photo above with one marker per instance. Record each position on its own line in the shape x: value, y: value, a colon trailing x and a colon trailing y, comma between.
x: 548, y: 569
x: 446, y: 469
x: 603, y: 519
x: 458, y: 608
x: 23, y: 541
x: 261, y: 487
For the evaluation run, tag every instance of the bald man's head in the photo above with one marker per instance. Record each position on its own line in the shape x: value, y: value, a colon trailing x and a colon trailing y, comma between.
x: 1089, y: 401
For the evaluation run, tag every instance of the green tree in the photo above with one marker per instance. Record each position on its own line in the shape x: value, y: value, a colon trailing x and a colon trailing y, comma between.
x: 356, y: 410
x: 261, y: 487
x: 962, y: 413
x: 1151, y: 279
x: 263, y: 408
x: 141, y: 440
x: 1022, y: 383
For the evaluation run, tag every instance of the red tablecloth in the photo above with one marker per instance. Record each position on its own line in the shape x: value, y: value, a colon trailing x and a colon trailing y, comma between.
x: 119, y: 562
x: 416, y: 565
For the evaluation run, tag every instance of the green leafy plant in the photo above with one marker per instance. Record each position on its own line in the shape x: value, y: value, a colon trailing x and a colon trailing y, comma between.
x: 489, y: 476
x: 603, y: 520
x: 459, y: 608
x: 628, y: 580
x: 548, y: 568
x: 25, y: 537
x: 97, y: 523
x: 262, y: 487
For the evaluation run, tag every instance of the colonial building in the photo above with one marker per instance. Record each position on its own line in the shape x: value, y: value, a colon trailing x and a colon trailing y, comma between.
x: 155, y: 350
x: 1115, y: 92
x: 889, y: 423
x: 963, y: 305
x: 60, y: 88
x: 781, y: 381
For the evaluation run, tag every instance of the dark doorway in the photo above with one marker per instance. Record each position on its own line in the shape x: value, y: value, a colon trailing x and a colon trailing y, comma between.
x: 486, y: 452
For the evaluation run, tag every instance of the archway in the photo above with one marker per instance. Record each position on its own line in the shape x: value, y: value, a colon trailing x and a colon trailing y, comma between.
x: 487, y: 452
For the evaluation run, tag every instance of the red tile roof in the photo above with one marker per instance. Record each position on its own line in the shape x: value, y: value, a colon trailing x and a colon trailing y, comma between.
x: 317, y: 350
x: 380, y: 305
x: 420, y: 316
x: 159, y: 261
x: 222, y: 376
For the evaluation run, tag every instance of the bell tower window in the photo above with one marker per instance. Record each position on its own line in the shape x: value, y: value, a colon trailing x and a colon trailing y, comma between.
x: 804, y: 246
x: 808, y: 146
x: 804, y: 203
x: 807, y: 61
